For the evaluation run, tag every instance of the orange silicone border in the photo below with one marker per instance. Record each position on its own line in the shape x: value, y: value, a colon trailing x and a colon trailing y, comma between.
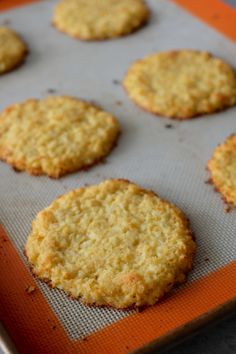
x: 9, y: 4
x: 28, y: 317
x: 34, y: 327
x: 215, y: 13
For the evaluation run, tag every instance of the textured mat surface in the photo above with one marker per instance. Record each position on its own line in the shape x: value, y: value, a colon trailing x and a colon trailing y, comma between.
x: 170, y: 161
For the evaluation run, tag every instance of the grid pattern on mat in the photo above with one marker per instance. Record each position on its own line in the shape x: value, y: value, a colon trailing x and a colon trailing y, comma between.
x: 169, y: 161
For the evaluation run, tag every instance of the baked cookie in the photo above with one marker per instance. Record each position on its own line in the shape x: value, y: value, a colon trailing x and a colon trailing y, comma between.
x: 222, y: 167
x: 55, y: 135
x: 94, y: 20
x: 181, y: 84
x: 112, y: 244
x: 12, y: 50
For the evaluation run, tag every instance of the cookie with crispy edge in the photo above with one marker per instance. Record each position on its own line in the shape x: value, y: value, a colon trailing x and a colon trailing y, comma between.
x: 55, y: 135
x: 12, y: 50
x: 222, y: 167
x: 113, y: 244
x: 97, y: 20
x: 181, y: 84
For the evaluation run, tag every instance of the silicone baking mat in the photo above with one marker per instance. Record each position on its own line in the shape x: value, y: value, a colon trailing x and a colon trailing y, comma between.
x: 166, y: 156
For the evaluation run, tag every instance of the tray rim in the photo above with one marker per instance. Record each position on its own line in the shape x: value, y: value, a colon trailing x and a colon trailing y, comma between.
x: 191, y: 328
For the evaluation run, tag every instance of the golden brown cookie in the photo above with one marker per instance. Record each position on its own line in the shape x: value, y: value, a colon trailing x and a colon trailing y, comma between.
x: 12, y: 50
x: 222, y: 167
x: 93, y: 20
x: 112, y: 244
x: 55, y: 135
x: 181, y: 84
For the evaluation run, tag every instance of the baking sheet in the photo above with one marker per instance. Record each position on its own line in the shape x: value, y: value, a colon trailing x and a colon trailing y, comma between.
x: 170, y: 161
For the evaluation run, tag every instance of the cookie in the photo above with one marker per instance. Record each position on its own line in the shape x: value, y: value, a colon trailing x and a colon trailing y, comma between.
x: 113, y: 244
x: 12, y: 50
x: 95, y: 20
x: 181, y: 84
x: 222, y: 167
x: 55, y: 135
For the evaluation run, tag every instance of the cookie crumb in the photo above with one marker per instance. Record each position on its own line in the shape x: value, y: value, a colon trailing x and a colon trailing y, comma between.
x: 30, y: 289
x: 141, y: 308
x: 228, y: 208
x: 51, y: 90
x: 95, y: 103
x: 6, y: 22
x: 215, y: 17
x: 15, y: 169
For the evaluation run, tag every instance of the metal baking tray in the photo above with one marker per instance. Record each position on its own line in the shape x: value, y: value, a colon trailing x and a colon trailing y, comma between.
x: 164, y: 155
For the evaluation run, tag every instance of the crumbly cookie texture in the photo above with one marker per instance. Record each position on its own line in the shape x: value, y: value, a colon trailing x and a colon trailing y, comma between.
x: 181, y: 84
x: 94, y: 20
x: 12, y: 50
x: 112, y: 244
x: 55, y: 135
x: 222, y: 167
